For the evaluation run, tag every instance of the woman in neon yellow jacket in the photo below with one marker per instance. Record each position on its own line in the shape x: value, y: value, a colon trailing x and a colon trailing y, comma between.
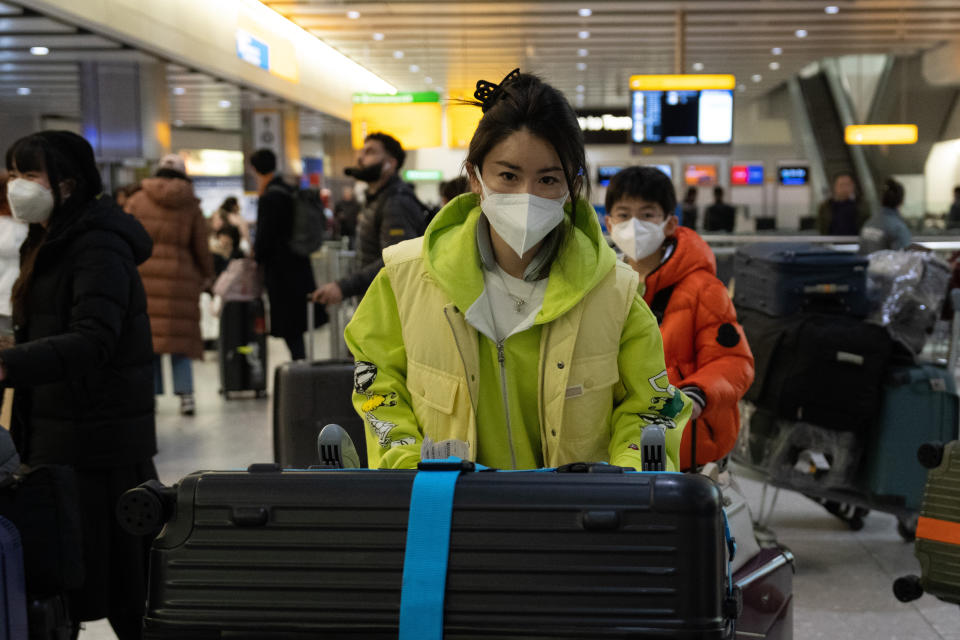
x: 509, y: 334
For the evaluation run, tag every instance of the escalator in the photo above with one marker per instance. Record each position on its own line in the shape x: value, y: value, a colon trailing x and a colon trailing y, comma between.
x: 827, y: 126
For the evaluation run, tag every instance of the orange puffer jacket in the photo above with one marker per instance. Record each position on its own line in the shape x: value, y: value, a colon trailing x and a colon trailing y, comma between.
x: 704, y: 347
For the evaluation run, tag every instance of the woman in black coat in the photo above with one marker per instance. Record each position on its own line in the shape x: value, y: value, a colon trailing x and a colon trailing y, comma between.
x: 82, y: 366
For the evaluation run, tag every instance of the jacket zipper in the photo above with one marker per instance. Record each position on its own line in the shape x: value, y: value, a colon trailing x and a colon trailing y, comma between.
x: 456, y: 341
x: 506, y: 402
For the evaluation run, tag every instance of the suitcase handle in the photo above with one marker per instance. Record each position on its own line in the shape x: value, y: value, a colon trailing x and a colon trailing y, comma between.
x: 592, y: 467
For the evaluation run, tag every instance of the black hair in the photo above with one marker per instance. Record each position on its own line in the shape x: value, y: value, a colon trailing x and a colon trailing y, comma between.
x: 453, y: 188
x: 691, y: 196
x: 956, y: 191
x: 66, y: 158
x: 893, y: 194
x: 718, y: 193
x: 230, y: 203
x: 525, y: 102
x: 391, y: 145
x: 264, y: 161
x: 230, y: 231
x: 647, y: 183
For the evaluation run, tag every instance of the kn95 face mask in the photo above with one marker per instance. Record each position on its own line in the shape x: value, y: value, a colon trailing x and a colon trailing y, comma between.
x: 521, y: 219
x: 638, y: 239
x: 30, y: 202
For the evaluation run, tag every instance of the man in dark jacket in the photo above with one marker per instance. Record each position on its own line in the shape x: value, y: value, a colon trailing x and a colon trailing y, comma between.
x: 953, y: 218
x: 843, y: 214
x: 719, y: 216
x: 392, y: 214
x: 287, y: 276
x: 345, y: 213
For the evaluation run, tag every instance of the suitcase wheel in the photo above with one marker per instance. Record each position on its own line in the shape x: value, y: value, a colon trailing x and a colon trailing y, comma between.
x: 930, y: 454
x: 907, y: 588
x: 907, y: 528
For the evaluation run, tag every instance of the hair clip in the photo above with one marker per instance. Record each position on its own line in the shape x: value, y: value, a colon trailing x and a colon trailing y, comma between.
x: 487, y: 92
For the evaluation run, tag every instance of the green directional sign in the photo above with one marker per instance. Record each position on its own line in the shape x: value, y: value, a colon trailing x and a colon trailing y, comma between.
x: 423, y: 175
x: 397, y: 98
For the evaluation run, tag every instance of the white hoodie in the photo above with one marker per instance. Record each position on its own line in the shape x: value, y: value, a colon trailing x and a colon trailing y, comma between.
x: 12, y: 235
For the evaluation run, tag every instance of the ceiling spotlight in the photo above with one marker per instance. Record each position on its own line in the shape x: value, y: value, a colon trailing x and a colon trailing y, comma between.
x: 39, y: 51
x: 428, y: 80
x: 378, y: 37
x: 583, y: 35
x: 698, y: 66
x: 756, y: 77
x: 398, y: 54
x: 353, y: 15
x: 414, y: 68
x: 585, y: 13
x: 832, y: 9
x: 741, y: 88
x: 801, y: 33
x: 774, y: 66
x: 583, y: 53
x: 581, y: 66
x: 776, y: 51
x: 24, y: 91
x: 225, y: 104
x: 178, y: 123
x: 581, y: 88
x: 179, y: 91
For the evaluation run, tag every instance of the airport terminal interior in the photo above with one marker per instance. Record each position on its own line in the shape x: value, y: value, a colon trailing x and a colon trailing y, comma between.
x: 812, y: 128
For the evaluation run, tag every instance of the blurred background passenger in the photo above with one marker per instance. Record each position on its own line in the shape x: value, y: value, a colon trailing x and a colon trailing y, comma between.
x: 82, y: 366
x: 12, y: 234
x: 843, y: 214
x: 229, y: 213
x: 225, y: 247
x: 886, y: 229
x: 689, y: 209
x: 179, y: 270
x: 345, y: 213
x: 453, y: 188
x: 953, y: 218
x: 719, y: 216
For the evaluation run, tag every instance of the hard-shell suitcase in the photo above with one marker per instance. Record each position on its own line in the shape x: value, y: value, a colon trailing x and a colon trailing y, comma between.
x: 13, y: 593
x: 919, y: 405
x: 938, y: 528
x: 243, y: 347
x: 766, y: 585
x: 781, y: 279
x: 604, y: 554
x: 308, y: 396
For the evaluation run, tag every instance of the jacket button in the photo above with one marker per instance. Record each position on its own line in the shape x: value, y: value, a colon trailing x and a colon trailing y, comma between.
x: 560, y: 365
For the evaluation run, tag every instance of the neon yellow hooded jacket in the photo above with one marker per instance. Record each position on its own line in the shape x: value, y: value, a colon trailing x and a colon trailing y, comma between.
x: 580, y: 385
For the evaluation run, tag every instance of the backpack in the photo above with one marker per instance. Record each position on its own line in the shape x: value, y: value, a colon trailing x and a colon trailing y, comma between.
x: 309, y: 221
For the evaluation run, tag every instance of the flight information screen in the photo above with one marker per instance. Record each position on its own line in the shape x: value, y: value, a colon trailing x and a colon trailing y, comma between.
x: 683, y: 117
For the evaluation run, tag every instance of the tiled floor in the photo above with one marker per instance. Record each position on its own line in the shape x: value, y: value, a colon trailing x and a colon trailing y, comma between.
x: 842, y: 588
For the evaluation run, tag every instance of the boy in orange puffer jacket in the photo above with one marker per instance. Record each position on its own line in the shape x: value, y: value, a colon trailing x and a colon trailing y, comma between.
x: 706, y: 353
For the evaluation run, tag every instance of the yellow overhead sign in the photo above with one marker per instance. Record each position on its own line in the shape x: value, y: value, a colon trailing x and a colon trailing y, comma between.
x: 881, y: 134
x: 416, y: 125
x: 682, y: 82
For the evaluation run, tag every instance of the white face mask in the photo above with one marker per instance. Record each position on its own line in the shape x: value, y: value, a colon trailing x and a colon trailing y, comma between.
x: 29, y: 202
x: 638, y: 239
x: 521, y: 219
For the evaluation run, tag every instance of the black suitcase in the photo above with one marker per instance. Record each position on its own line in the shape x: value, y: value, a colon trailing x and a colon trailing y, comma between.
x: 243, y: 348
x: 825, y: 370
x: 781, y: 278
x: 307, y: 397
x: 321, y: 554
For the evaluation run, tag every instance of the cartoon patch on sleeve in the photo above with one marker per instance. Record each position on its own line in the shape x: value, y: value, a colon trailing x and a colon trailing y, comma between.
x: 669, y: 406
x: 364, y: 375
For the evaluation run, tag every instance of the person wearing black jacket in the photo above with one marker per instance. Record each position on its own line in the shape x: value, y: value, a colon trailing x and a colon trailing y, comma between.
x: 287, y: 276
x: 82, y: 367
x: 392, y: 214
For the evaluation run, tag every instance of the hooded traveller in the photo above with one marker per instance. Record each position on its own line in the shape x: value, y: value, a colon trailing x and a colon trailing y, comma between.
x: 82, y: 367
x: 509, y: 333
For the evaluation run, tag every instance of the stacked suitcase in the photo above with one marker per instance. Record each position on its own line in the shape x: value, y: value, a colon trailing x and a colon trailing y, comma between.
x: 836, y: 401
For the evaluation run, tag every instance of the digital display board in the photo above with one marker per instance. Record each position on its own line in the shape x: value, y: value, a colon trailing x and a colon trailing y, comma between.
x: 746, y: 174
x: 682, y: 117
x: 700, y: 175
x: 605, y: 173
x: 794, y: 176
x: 665, y: 168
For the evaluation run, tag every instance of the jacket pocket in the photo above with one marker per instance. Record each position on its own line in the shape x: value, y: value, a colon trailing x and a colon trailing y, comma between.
x: 433, y: 393
x: 585, y: 431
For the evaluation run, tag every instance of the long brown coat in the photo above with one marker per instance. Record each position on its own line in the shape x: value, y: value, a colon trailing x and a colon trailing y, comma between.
x: 181, y: 264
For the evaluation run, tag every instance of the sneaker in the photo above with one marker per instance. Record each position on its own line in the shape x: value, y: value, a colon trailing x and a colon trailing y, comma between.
x: 187, y: 405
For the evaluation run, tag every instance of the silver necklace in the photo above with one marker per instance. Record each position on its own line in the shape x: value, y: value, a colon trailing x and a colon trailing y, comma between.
x: 518, y: 302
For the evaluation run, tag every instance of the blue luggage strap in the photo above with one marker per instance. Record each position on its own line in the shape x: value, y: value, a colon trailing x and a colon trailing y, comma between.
x: 428, y: 548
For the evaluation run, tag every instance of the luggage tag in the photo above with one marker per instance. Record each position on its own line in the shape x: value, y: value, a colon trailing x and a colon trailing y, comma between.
x: 444, y: 449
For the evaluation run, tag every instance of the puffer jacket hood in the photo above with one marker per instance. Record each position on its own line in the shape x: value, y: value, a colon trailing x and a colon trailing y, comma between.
x: 690, y: 254
x: 451, y: 239
x: 170, y: 193
x: 101, y: 215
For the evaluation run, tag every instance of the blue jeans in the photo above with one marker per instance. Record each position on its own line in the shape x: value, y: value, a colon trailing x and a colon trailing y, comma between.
x: 182, y: 374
